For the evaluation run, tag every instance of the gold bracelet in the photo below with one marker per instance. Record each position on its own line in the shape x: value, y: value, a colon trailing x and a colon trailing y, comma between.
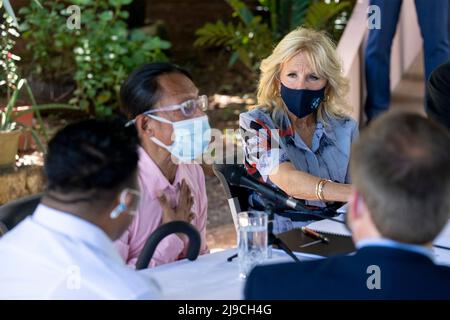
x: 317, y: 188
x: 322, y: 184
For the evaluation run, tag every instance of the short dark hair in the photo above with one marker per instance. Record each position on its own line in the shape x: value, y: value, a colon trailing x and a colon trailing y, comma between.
x: 401, y: 167
x: 141, y: 90
x: 92, y: 155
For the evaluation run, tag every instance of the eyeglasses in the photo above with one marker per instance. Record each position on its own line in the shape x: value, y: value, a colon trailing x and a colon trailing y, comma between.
x: 188, y: 107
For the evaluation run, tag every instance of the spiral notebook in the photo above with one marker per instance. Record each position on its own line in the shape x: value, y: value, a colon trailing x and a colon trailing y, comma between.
x: 331, y: 227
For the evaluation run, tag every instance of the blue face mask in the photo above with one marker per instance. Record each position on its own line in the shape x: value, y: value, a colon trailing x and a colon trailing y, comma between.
x: 302, y: 102
x: 192, y: 137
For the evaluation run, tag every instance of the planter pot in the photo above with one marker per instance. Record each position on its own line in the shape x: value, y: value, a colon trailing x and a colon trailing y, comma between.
x: 26, y: 141
x: 9, y: 142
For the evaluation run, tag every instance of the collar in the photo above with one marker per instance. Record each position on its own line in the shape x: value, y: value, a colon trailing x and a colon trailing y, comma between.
x: 388, y: 243
x: 76, y: 228
x: 152, y: 174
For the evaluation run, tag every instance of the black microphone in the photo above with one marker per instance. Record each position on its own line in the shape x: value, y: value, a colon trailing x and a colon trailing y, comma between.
x: 238, y: 176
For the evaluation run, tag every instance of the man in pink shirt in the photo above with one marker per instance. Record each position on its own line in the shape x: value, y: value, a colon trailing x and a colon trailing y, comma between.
x: 163, y: 103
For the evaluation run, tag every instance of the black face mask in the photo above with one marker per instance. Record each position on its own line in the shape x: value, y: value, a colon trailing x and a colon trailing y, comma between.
x: 302, y: 102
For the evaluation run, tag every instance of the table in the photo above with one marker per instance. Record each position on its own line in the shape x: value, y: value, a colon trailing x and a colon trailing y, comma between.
x: 210, y: 277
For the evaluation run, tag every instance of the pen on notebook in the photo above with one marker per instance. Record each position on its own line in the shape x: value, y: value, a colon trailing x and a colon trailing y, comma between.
x: 314, y: 234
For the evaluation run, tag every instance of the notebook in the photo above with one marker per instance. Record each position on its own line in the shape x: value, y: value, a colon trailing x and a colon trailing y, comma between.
x: 297, y: 241
x: 330, y: 226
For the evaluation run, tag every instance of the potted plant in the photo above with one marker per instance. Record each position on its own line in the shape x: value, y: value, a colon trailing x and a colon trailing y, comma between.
x: 11, y: 129
x: 10, y: 125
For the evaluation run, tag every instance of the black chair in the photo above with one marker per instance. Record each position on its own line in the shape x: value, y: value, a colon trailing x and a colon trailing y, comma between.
x: 163, y: 231
x: 237, y: 196
x: 12, y: 213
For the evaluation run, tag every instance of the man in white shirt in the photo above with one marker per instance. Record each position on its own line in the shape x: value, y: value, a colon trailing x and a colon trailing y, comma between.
x: 65, y: 249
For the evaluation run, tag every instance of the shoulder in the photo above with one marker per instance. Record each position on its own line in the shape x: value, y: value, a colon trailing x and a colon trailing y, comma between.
x: 118, y: 281
x: 341, y: 127
x: 137, y: 285
x: 342, y: 122
x: 280, y: 281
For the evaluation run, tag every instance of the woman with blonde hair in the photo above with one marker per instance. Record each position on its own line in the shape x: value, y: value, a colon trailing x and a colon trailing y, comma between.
x: 298, y: 138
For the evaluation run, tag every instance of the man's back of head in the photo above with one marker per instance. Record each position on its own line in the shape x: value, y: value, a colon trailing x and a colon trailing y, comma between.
x: 401, y: 168
x: 88, y: 165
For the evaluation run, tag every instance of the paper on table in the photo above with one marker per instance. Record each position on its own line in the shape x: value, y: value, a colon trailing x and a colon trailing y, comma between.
x: 330, y: 226
x: 443, y: 239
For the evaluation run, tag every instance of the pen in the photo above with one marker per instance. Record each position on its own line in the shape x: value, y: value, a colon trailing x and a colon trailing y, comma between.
x: 314, y: 234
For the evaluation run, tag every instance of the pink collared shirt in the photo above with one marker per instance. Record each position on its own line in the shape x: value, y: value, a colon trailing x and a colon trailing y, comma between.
x: 153, y: 183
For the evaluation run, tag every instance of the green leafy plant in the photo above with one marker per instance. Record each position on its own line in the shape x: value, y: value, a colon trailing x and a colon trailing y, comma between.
x: 14, y: 84
x: 9, y: 76
x: 252, y: 37
x: 98, y: 56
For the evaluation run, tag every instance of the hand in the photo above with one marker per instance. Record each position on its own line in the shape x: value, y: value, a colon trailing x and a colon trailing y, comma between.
x: 183, y: 211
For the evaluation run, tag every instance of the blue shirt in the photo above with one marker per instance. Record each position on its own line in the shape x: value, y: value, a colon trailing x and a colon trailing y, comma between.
x: 270, y: 139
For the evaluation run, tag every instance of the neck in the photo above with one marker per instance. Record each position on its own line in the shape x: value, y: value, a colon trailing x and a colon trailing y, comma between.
x: 163, y: 159
x: 305, y: 122
x: 83, y: 210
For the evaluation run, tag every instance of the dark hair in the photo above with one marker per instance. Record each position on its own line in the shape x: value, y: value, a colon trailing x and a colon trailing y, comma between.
x: 141, y: 90
x: 401, y: 167
x: 92, y: 155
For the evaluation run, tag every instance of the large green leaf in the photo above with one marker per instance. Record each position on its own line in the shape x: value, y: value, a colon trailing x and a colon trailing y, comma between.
x: 320, y: 13
x: 215, y: 34
x: 242, y: 11
x: 299, y: 11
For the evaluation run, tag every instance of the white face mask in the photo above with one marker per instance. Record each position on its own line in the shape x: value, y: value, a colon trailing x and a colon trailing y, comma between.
x: 192, y: 137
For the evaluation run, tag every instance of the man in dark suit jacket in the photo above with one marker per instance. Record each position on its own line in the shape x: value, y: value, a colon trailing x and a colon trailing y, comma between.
x: 400, y: 202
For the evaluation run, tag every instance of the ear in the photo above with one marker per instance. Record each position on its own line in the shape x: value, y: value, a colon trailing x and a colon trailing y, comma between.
x: 355, y: 207
x: 145, y: 126
x: 128, y: 201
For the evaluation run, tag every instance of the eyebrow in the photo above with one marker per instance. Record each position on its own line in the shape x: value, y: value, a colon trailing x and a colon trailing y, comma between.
x: 309, y: 73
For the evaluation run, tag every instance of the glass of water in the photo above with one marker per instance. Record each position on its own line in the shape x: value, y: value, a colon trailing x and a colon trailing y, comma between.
x: 252, y: 240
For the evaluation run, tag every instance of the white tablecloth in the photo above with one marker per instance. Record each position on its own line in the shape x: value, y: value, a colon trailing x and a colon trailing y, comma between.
x: 210, y: 277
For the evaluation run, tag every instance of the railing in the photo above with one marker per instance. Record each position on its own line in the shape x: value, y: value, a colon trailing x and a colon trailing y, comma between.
x: 407, y: 45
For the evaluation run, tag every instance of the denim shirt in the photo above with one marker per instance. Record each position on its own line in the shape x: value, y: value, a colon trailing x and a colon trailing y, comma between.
x: 270, y: 139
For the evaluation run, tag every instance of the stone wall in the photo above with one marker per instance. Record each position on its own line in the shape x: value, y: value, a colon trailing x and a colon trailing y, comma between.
x: 20, y: 182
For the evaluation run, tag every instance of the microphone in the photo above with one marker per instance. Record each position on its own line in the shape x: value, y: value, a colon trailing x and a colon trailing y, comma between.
x: 238, y: 176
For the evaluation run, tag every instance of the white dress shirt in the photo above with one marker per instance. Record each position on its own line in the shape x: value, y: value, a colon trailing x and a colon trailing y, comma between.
x: 56, y: 255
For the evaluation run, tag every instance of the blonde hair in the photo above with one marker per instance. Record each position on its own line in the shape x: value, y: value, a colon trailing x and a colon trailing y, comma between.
x: 322, y: 56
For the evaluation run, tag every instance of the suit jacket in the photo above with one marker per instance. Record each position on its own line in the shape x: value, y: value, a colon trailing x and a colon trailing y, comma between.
x: 402, y: 274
